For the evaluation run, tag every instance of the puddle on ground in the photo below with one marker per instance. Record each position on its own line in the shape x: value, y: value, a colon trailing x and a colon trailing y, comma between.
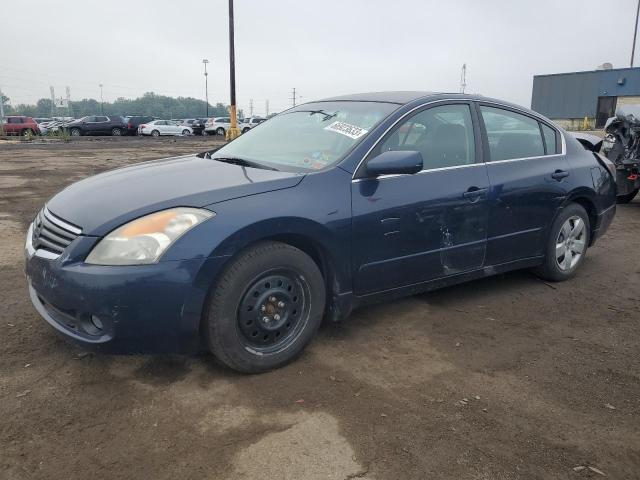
x: 312, y: 448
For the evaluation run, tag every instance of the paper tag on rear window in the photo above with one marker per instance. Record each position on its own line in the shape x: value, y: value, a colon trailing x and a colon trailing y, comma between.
x: 350, y: 131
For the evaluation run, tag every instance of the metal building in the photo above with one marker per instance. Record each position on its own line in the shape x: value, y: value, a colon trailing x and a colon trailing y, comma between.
x: 567, y: 98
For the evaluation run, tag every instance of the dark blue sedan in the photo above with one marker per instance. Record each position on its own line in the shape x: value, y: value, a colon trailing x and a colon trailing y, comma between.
x: 328, y: 206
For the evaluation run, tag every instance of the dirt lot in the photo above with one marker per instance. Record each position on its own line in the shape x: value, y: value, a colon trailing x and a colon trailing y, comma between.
x: 502, y: 378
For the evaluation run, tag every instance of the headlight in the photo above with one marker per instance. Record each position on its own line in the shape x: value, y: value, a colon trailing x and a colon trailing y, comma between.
x: 144, y: 240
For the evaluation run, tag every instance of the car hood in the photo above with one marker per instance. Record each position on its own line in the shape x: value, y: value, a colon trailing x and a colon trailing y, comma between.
x: 103, y: 202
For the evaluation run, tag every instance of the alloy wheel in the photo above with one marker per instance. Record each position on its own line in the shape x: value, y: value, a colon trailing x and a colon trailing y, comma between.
x: 571, y: 243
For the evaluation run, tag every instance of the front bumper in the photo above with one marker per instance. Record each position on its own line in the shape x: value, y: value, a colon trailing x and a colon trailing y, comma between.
x: 143, y: 308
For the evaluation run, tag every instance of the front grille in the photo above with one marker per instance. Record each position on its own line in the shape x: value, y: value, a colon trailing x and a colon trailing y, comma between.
x: 52, y: 233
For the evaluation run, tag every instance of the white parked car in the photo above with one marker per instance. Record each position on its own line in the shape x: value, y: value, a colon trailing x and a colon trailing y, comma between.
x: 163, y: 127
x: 217, y: 126
x: 248, y: 123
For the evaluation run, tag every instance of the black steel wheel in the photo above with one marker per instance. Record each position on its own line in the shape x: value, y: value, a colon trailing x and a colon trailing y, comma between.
x: 265, y: 308
x: 273, y: 310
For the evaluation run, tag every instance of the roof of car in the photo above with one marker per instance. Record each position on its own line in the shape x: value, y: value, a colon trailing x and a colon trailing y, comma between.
x: 402, y: 97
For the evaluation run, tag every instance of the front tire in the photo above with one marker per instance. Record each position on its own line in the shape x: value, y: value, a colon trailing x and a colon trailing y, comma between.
x: 628, y: 197
x: 186, y: 132
x: 75, y: 132
x: 567, y: 244
x: 265, y: 308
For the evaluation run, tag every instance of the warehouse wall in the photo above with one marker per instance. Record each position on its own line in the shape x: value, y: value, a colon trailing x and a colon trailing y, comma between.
x: 575, y: 95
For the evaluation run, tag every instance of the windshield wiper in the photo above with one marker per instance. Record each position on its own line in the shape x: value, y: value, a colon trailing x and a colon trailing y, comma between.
x: 327, y: 115
x: 243, y: 162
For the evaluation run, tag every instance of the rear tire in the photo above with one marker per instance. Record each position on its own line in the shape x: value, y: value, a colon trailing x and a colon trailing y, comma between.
x: 628, y: 197
x: 220, y: 131
x: 116, y: 132
x: 245, y: 130
x: 75, y: 132
x: 265, y: 308
x: 155, y: 133
x: 205, y: 133
x: 567, y: 244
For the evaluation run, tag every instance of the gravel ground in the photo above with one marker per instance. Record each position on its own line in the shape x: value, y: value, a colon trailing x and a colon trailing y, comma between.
x: 503, y: 378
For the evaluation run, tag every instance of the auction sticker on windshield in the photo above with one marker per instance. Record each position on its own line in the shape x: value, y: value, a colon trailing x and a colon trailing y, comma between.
x: 347, y: 129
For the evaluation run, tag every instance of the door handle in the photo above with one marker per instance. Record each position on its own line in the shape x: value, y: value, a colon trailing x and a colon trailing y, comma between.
x: 559, y: 174
x: 474, y: 193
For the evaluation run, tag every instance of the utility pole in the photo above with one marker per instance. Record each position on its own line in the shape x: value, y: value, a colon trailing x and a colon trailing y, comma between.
x: 463, y: 78
x: 1, y: 112
x: 69, y: 108
x: 266, y: 107
x: 233, y: 130
x: 294, y: 96
x: 101, y: 100
x: 251, y: 107
x: 53, y: 102
x: 635, y: 34
x: 206, y: 84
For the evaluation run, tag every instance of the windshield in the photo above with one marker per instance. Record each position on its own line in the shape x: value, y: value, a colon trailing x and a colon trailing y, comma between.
x: 310, y: 137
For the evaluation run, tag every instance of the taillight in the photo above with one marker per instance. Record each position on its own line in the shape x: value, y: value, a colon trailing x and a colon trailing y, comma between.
x: 129, y: 126
x: 142, y: 127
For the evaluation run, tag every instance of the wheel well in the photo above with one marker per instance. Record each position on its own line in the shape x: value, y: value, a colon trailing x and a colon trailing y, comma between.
x: 591, y: 211
x: 317, y: 253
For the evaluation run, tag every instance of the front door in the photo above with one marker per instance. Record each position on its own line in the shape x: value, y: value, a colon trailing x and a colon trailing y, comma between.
x: 409, y: 229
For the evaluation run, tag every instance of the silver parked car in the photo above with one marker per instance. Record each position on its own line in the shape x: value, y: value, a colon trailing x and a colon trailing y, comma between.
x: 217, y: 126
x: 156, y: 128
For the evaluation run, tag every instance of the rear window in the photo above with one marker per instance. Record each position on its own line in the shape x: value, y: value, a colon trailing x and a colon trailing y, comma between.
x: 511, y: 135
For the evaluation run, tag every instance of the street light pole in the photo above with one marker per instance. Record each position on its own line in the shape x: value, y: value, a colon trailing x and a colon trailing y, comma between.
x: 206, y: 84
x: 635, y: 34
x: 101, y: 100
x: 233, y: 131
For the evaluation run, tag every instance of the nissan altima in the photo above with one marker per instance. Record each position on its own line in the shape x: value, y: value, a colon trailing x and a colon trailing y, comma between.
x: 328, y: 206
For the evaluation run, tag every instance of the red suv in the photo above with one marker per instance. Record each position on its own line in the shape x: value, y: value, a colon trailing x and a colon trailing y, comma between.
x: 19, y: 125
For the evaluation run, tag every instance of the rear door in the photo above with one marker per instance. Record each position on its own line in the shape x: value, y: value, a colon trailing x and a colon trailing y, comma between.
x: 528, y: 171
x: 409, y: 229
x: 162, y: 127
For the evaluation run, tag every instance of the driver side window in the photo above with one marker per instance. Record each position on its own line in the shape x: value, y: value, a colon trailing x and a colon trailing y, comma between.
x: 443, y: 135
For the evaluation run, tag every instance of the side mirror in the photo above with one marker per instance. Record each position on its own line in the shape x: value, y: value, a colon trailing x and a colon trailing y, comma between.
x: 396, y: 162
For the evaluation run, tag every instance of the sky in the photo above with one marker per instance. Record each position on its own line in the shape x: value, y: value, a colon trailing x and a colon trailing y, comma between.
x: 321, y: 48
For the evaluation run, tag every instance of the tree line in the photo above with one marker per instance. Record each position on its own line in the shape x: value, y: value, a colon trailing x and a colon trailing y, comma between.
x: 160, y: 106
